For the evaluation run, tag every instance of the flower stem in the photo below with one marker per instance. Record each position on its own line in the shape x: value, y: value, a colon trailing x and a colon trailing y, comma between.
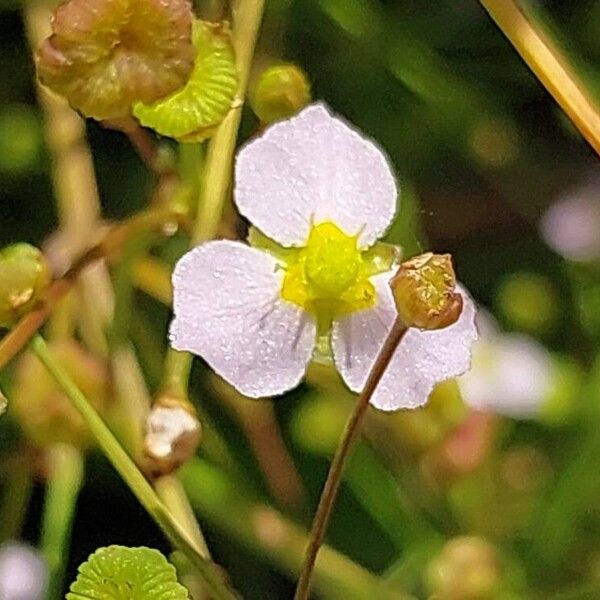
x: 273, y: 538
x: 334, y: 477
x: 66, y: 475
x: 139, y: 485
x: 247, y: 16
x: 550, y: 66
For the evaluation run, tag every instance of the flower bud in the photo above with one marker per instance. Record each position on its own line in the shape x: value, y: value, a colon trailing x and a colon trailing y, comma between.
x: 467, y: 568
x: 281, y: 91
x: 41, y: 407
x: 172, y: 435
x: 24, y: 277
x: 104, y: 55
x: 424, y: 292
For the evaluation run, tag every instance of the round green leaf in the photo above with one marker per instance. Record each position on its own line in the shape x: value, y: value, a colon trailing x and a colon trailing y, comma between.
x: 120, y: 573
x: 192, y: 112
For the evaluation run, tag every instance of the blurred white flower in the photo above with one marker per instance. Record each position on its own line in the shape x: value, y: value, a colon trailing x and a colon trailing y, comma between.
x: 511, y: 373
x: 322, y: 195
x: 571, y: 226
x: 23, y: 573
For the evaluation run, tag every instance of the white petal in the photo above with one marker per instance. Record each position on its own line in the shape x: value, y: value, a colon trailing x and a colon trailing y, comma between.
x: 314, y: 168
x: 422, y: 359
x: 512, y: 375
x: 228, y: 311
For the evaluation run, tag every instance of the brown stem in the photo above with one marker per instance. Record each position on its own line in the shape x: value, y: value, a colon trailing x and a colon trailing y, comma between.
x: 550, y: 65
x: 107, y: 248
x: 148, y: 151
x: 334, y: 477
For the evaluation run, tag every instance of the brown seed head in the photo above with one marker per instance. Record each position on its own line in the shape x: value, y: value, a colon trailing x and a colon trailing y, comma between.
x: 425, y: 293
x: 105, y: 55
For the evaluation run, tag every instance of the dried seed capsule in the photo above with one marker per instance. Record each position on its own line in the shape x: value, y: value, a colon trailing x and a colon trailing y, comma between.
x: 280, y: 92
x: 24, y: 277
x: 104, y: 55
x: 172, y: 435
x: 424, y: 292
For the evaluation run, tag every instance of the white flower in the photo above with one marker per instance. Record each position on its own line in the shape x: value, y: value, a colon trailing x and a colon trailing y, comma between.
x: 512, y: 374
x: 23, y: 573
x: 322, y: 195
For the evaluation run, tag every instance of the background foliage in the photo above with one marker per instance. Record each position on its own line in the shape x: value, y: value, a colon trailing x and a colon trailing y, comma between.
x: 481, y: 151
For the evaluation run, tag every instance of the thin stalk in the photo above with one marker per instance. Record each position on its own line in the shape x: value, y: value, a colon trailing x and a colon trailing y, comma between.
x: 62, y: 491
x: 171, y: 492
x: 550, y: 66
x: 247, y: 17
x: 272, y: 537
x: 147, y: 148
x: 334, y: 477
x: 153, y: 277
x: 128, y: 470
x: 110, y: 245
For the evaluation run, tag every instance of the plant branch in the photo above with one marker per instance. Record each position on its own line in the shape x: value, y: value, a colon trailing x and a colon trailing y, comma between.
x: 128, y: 470
x: 107, y: 248
x: 247, y: 16
x: 334, y: 477
x: 271, y: 537
x: 550, y: 66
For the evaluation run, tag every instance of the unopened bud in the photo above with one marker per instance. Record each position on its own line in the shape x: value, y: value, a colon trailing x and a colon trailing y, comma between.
x: 105, y: 55
x: 425, y: 293
x: 281, y: 91
x: 24, y: 277
x: 172, y: 435
x: 467, y: 568
x: 41, y: 407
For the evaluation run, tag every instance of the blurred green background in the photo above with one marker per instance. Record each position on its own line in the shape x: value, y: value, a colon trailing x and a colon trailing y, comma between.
x: 482, y: 152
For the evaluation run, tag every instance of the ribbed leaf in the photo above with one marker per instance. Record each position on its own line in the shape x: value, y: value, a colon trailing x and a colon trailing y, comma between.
x: 192, y: 112
x: 120, y: 573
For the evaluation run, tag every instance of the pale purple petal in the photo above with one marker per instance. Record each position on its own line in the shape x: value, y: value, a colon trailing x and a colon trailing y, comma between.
x: 228, y: 310
x: 23, y: 573
x: 571, y: 226
x: 423, y: 358
x: 512, y: 374
x: 314, y: 168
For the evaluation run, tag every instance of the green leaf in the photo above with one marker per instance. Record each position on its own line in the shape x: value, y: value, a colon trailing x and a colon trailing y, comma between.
x: 191, y: 113
x: 120, y: 573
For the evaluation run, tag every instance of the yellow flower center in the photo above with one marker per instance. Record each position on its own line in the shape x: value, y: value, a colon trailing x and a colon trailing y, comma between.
x: 327, y: 276
x: 330, y: 275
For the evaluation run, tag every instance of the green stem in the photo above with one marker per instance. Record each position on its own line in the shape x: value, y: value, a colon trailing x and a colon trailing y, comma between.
x: 271, y: 537
x: 247, y: 16
x: 170, y: 490
x: 66, y: 475
x: 128, y: 470
x: 334, y: 477
x: 550, y: 66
